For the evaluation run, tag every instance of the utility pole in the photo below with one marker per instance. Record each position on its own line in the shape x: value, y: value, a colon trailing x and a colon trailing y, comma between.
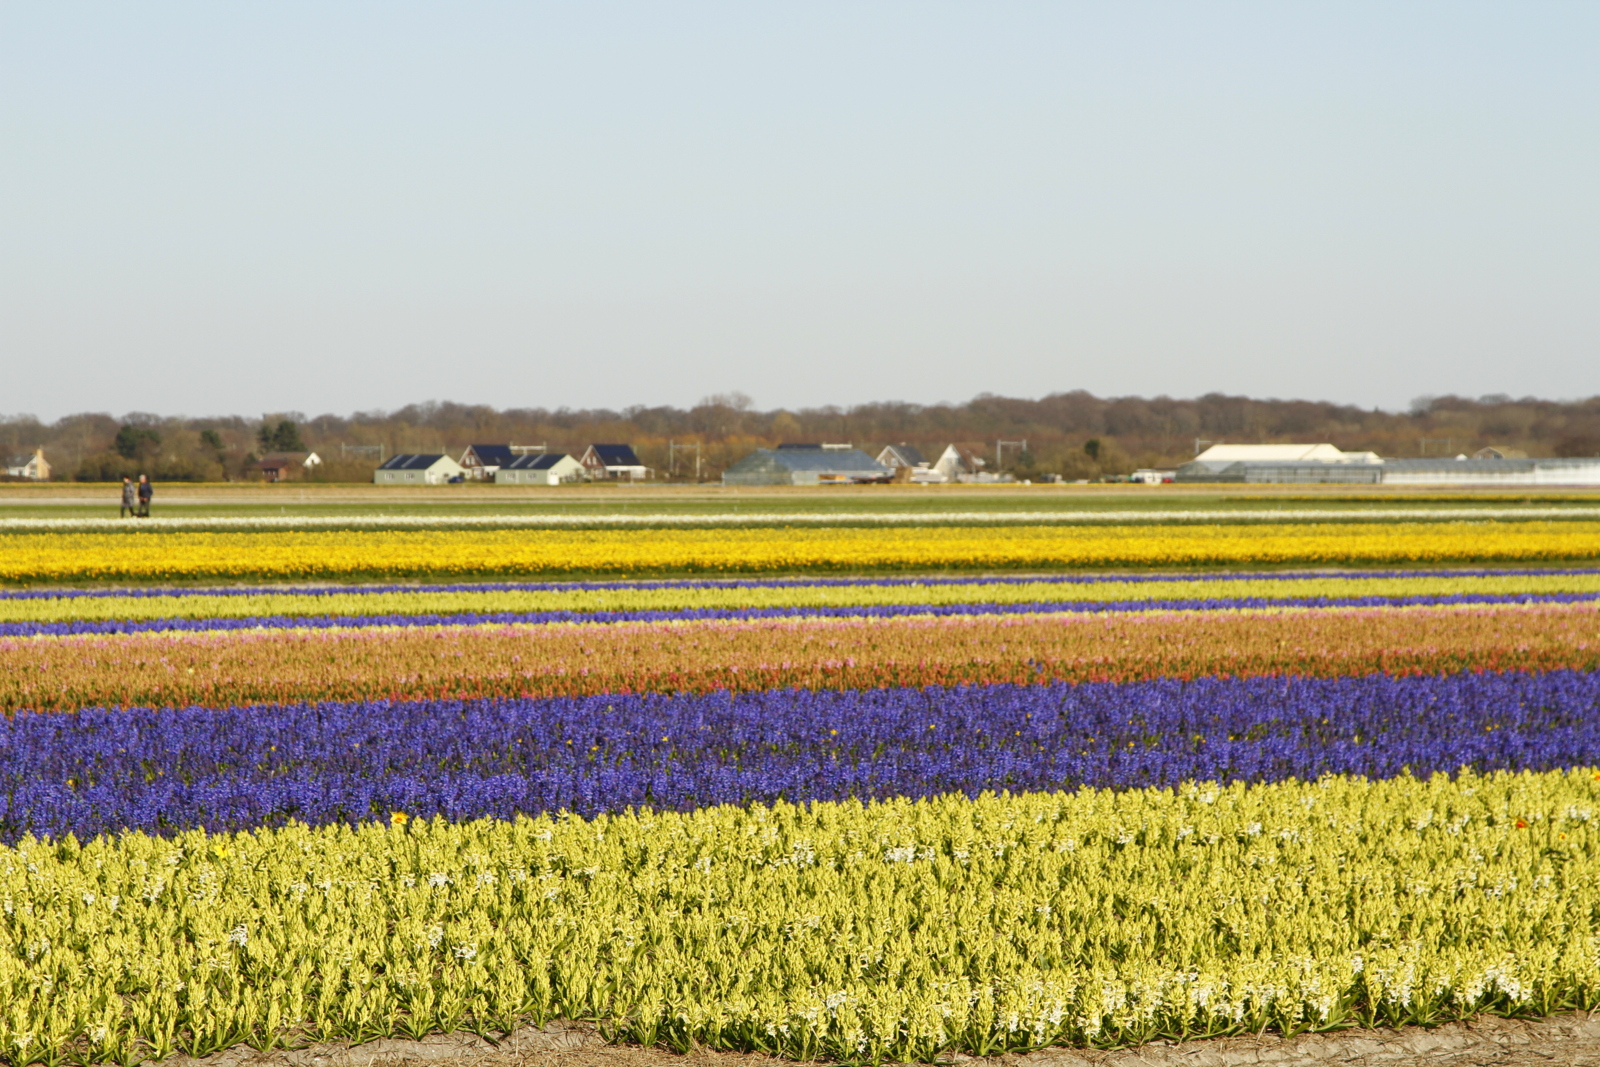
x: 672, y: 457
x: 1000, y: 447
x: 1425, y: 441
x: 361, y: 450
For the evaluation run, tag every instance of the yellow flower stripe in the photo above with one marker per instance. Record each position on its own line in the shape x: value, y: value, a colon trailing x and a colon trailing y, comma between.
x: 545, y: 553
x: 899, y: 930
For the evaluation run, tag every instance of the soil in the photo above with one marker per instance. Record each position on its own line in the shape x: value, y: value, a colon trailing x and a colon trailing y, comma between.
x: 1571, y: 1039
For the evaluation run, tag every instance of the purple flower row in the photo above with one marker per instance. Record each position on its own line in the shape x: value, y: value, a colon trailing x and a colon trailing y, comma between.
x: 99, y: 770
x: 772, y: 583
x: 500, y: 618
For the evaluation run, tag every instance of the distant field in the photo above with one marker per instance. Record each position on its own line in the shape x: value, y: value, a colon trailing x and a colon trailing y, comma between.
x: 80, y: 500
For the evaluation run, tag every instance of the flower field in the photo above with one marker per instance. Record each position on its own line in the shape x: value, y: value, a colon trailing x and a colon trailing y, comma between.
x: 388, y: 554
x: 59, y: 611
x: 255, y: 666
x: 839, y: 814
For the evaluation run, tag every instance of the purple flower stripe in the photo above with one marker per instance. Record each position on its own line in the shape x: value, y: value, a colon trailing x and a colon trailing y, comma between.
x: 102, y: 771
x: 881, y: 611
x: 771, y: 583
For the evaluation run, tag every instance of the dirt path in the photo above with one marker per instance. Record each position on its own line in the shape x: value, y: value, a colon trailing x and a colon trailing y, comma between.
x: 1563, y: 1039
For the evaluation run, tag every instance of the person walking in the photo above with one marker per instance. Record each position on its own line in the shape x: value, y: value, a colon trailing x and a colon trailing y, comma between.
x: 130, y: 500
x: 146, y: 491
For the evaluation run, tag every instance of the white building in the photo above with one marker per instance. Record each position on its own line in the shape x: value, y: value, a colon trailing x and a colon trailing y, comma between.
x: 909, y: 458
x: 35, y: 467
x: 1323, y: 453
x: 962, y: 465
x: 1310, y: 464
x: 540, y: 468
x: 1326, y: 465
x: 414, y: 469
x: 1506, y: 472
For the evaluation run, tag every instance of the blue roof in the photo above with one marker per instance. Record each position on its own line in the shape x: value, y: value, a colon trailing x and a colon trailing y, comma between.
x: 493, y: 455
x: 408, y: 461
x: 908, y: 454
x: 535, y: 461
x: 617, y: 455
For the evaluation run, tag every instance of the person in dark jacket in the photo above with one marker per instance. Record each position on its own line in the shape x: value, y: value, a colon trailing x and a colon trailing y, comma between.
x: 130, y: 498
x: 146, y: 491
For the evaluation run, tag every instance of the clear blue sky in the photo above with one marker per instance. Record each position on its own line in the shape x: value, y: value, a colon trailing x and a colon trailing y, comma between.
x: 247, y: 207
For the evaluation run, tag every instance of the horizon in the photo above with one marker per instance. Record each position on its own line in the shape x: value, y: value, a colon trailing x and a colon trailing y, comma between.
x: 751, y: 407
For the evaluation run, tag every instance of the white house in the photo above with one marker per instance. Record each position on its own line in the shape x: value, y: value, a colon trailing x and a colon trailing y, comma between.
x: 901, y: 455
x: 412, y: 469
x: 34, y: 467
x: 539, y: 468
x: 959, y: 464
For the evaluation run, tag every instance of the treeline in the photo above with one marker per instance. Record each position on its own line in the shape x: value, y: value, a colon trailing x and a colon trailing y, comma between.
x: 1076, y: 434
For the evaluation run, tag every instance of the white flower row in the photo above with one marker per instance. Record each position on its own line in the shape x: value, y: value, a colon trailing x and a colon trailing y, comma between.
x: 853, y: 518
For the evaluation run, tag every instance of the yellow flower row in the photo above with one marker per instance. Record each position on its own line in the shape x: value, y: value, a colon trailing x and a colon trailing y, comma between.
x: 899, y: 930
x: 448, y: 600
x: 554, y: 553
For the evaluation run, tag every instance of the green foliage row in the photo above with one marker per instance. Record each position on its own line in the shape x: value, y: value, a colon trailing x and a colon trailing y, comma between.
x: 897, y: 930
x: 433, y: 601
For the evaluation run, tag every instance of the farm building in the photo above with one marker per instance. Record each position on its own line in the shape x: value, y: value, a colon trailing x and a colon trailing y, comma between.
x: 34, y: 468
x: 959, y: 463
x: 415, y: 469
x: 901, y: 455
x: 1321, y: 464
x: 481, y: 461
x: 1507, y: 472
x: 612, y: 461
x: 907, y: 464
x: 1326, y: 465
x: 539, y: 468
x: 806, y: 465
x: 1323, y: 453
x: 285, y: 466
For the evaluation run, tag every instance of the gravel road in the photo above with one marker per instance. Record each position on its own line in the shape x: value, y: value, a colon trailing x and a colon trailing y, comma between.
x: 1488, y: 1042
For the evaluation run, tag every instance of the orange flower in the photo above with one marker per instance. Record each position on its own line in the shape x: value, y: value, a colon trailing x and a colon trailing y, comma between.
x: 1521, y: 825
x: 398, y: 818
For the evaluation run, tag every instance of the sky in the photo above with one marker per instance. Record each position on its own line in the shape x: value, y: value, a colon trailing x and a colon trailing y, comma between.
x: 243, y: 208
